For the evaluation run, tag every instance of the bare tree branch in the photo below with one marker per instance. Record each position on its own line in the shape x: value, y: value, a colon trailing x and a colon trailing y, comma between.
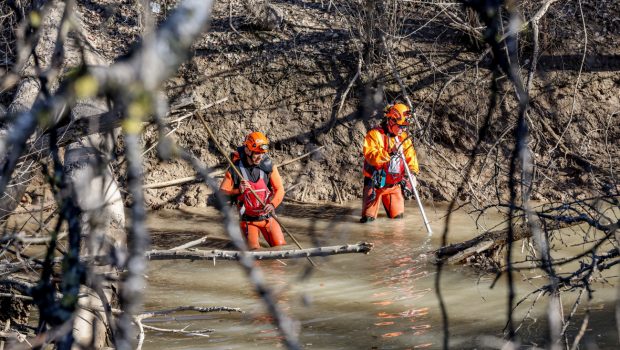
x: 362, y: 247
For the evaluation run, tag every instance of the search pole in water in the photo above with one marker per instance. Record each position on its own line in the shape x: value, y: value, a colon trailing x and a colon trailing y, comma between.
x: 415, y: 192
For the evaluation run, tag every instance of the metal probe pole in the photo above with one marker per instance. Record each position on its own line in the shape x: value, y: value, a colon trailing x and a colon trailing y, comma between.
x: 415, y: 192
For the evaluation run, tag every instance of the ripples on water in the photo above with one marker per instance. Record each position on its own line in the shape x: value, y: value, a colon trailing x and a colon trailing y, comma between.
x: 383, y: 300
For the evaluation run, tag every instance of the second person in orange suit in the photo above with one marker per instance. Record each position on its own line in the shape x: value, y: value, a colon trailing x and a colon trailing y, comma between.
x: 261, y: 177
x: 384, y: 170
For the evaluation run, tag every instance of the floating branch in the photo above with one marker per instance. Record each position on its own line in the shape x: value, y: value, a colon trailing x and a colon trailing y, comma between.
x: 362, y: 247
x: 201, y: 333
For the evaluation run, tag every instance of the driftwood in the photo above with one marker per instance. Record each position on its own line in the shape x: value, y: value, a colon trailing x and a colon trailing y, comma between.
x: 362, y: 247
x: 199, y: 332
x: 181, y: 252
x: 458, y: 252
x: 486, y: 242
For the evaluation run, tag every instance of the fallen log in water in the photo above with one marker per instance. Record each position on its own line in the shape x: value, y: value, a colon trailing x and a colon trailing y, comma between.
x: 489, y: 242
x: 195, y: 254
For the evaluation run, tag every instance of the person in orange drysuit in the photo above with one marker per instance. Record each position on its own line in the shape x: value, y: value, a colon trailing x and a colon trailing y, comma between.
x: 384, y: 170
x: 260, y: 175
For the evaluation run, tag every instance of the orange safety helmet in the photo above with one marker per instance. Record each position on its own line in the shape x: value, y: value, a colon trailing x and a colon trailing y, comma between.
x: 398, y: 113
x: 257, y: 142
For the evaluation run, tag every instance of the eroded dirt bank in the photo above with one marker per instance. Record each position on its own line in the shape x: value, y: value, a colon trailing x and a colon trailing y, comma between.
x: 298, y: 84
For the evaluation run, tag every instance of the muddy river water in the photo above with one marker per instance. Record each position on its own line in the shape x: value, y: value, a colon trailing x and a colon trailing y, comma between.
x: 382, y: 300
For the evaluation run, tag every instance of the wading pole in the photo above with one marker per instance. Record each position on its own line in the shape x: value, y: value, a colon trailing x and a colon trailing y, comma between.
x: 232, y: 165
x: 415, y: 192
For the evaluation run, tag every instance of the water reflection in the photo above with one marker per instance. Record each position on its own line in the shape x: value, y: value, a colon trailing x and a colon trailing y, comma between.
x: 278, y: 278
x: 397, y: 278
x: 384, y: 300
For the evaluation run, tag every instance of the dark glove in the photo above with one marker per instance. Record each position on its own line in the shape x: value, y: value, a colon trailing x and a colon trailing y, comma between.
x: 244, y: 185
x: 372, y: 195
x: 394, y: 152
x: 406, y: 189
x: 269, y: 208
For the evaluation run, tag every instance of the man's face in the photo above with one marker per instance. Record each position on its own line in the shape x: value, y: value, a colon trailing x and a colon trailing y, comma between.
x: 395, y: 128
x: 253, y: 157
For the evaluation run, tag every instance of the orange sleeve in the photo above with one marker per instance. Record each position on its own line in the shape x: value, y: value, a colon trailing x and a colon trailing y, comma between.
x: 227, y: 186
x: 276, y: 186
x: 374, y: 150
x: 411, y: 156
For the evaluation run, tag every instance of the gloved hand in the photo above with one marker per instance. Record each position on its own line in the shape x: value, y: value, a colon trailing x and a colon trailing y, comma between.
x: 244, y: 185
x: 406, y: 189
x: 415, y: 181
x: 269, y: 208
x: 394, y: 151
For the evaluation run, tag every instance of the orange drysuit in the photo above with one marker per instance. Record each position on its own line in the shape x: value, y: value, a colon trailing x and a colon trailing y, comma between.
x: 381, y: 180
x: 256, y: 222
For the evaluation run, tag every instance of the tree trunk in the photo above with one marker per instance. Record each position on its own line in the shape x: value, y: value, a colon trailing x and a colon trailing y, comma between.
x: 26, y: 94
x: 103, y: 220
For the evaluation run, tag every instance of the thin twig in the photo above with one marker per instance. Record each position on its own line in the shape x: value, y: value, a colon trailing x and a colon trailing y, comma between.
x: 578, y: 82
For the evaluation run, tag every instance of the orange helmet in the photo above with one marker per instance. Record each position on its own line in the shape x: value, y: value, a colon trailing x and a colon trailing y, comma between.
x: 257, y: 142
x: 399, y: 113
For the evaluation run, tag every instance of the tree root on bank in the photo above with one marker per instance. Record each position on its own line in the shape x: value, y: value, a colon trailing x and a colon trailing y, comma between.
x: 194, y: 254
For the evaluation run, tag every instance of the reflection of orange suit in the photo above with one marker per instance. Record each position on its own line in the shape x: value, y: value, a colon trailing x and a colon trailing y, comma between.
x: 379, y: 147
x: 252, y: 226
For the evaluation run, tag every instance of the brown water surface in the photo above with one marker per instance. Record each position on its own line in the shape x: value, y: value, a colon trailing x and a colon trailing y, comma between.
x: 383, y: 300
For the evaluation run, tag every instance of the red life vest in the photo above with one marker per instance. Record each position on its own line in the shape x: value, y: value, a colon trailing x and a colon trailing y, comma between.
x: 250, y: 205
x: 392, y: 172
